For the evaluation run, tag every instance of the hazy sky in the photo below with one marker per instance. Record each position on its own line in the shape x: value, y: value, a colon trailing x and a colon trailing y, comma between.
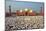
x: 17, y: 5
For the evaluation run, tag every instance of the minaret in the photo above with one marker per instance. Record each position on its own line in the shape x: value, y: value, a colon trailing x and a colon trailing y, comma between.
x: 10, y: 10
x: 42, y: 11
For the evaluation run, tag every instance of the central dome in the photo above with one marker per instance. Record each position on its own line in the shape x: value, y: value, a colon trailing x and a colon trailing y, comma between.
x: 26, y: 9
x: 30, y: 11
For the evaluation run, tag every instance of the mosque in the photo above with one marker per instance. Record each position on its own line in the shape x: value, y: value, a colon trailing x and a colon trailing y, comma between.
x: 25, y: 12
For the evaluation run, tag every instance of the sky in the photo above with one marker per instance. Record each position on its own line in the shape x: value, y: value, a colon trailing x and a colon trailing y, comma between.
x: 18, y: 5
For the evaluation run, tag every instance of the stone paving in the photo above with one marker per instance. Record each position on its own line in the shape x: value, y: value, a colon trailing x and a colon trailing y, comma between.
x: 24, y: 23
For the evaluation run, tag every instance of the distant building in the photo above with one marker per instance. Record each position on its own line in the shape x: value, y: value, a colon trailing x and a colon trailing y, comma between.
x: 25, y: 12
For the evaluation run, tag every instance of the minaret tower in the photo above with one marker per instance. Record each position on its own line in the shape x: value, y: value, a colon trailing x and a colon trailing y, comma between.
x: 10, y: 9
x: 42, y: 11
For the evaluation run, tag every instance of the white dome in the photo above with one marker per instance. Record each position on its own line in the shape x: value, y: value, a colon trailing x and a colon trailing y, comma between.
x: 31, y: 11
x: 26, y: 9
x: 20, y: 10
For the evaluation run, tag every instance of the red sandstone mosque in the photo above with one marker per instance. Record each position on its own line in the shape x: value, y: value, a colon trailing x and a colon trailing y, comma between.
x: 25, y: 12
